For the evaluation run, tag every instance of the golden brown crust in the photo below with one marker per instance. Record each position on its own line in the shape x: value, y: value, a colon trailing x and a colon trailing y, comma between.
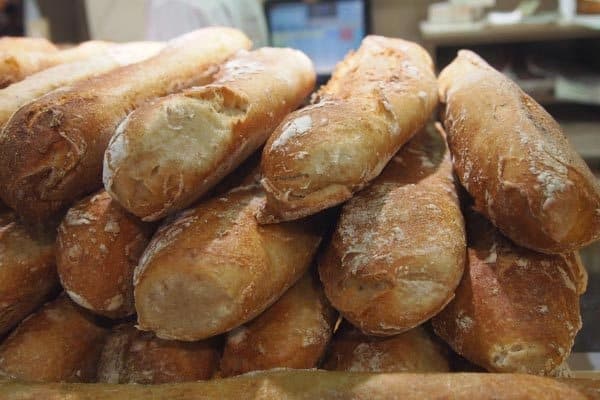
x: 51, y: 150
x: 40, y: 83
x: 215, y: 263
x: 292, y: 333
x: 515, y: 161
x: 61, y: 342
x: 16, y: 62
x: 133, y: 356
x: 27, y: 270
x: 398, y: 251
x: 375, y: 101
x: 98, y: 247
x: 412, y: 351
x: 167, y: 154
x: 324, y: 385
x: 515, y: 310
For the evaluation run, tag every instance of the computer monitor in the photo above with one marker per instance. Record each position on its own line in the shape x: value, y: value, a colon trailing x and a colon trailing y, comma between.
x: 325, y: 30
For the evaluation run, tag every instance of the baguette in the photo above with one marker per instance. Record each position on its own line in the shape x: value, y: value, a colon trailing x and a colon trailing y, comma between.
x: 18, y: 43
x: 51, y: 150
x: 411, y: 351
x: 133, y: 356
x: 27, y: 271
x: 214, y: 262
x: 98, y: 247
x: 167, y: 154
x: 58, y: 343
x: 319, y: 156
x: 515, y: 161
x: 17, y: 63
x: 398, y: 251
x: 292, y: 333
x: 515, y: 310
x: 38, y: 84
x: 323, y: 385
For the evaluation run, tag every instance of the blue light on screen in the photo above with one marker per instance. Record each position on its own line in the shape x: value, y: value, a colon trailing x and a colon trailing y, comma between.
x: 324, y: 31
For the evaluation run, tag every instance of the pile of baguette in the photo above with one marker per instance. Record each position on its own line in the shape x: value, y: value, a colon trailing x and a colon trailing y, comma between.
x: 176, y: 212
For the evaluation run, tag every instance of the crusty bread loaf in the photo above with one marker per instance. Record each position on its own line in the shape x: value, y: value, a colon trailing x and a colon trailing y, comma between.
x: 213, y: 268
x: 40, y: 83
x: 168, y: 153
x: 398, y: 251
x: 292, y: 333
x: 515, y: 161
x: 27, y: 270
x: 60, y: 342
x: 133, y: 356
x: 98, y: 247
x: 18, y: 62
x: 412, y: 351
x: 51, y: 150
x: 515, y: 310
x: 319, y: 156
x: 323, y: 385
x: 19, y: 43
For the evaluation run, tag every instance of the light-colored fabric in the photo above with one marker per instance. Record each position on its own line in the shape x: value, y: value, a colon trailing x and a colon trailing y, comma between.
x: 167, y: 19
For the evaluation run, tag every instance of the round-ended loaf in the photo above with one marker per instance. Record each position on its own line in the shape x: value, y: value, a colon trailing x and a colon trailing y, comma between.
x: 515, y: 161
x: 213, y: 268
x: 515, y: 310
x: 377, y: 98
x: 398, y: 251
x: 51, y: 150
x: 98, y: 247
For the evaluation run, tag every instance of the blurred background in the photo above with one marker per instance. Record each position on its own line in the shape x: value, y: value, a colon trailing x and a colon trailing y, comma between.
x: 551, y: 48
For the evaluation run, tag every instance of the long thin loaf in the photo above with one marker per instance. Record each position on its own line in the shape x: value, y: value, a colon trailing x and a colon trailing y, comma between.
x: 97, y: 248
x: 59, y: 343
x: 27, y: 270
x: 292, y: 333
x: 51, y: 150
x: 319, y: 156
x: 215, y: 263
x: 134, y: 356
x: 412, y: 351
x: 515, y: 161
x: 515, y: 310
x: 18, y: 43
x: 323, y: 385
x: 40, y: 83
x: 18, y: 62
x: 398, y: 251
x: 168, y: 153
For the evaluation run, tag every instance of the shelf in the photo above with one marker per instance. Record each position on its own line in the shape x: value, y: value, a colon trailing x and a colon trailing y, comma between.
x: 481, y: 33
x: 585, y: 137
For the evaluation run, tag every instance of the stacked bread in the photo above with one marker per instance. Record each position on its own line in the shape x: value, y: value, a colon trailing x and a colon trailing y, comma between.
x: 184, y: 257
